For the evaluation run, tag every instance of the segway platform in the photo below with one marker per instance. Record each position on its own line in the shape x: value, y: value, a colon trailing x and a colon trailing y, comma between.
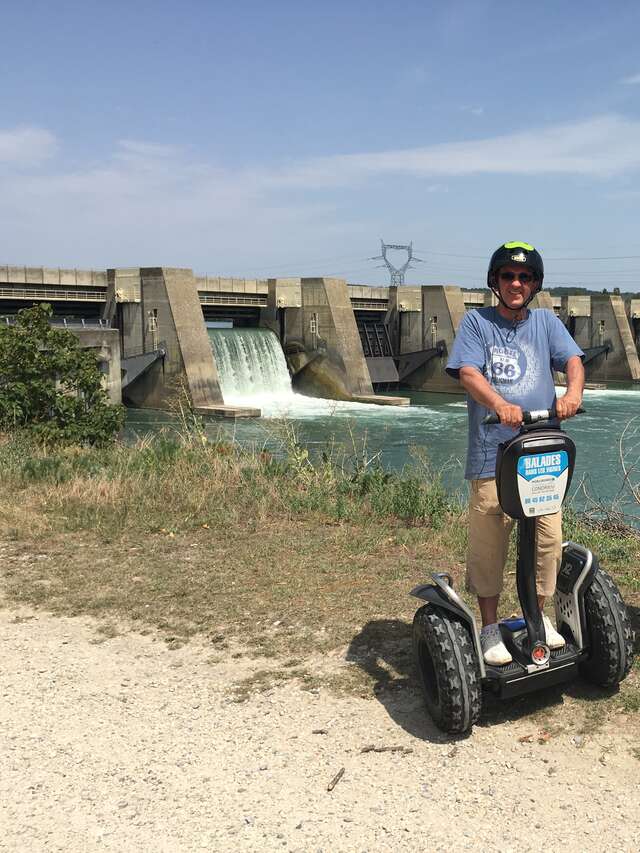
x: 521, y: 676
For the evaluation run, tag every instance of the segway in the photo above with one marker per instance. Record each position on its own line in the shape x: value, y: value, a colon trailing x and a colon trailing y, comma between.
x: 533, y: 474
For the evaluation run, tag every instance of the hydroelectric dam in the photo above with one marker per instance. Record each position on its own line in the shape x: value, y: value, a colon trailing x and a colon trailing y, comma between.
x: 164, y: 334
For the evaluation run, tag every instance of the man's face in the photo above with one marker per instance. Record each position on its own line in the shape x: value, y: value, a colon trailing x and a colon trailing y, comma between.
x: 516, y: 284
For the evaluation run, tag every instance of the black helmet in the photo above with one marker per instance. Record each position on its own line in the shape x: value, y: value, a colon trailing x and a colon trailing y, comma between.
x: 515, y: 253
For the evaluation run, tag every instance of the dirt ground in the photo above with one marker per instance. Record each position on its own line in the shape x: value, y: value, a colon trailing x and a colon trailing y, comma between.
x: 122, y: 744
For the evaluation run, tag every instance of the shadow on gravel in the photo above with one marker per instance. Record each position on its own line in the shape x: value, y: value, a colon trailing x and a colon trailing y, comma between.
x: 383, y: 650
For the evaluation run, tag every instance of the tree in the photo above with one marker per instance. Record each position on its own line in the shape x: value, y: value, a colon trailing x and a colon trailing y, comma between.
x: 50, y: 386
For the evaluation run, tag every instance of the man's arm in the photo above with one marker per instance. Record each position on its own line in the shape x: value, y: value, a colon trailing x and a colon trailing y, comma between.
x: 567, y: 406
x: 475, y: 384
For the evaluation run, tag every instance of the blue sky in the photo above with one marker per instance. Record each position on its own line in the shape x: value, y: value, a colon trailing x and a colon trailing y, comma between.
x: 287, y: 138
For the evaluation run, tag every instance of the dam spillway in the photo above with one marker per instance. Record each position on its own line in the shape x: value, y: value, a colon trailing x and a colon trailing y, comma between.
x: 251, y: 366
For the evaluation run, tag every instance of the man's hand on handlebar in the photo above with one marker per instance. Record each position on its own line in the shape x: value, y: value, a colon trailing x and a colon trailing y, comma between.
x: 567, y: 406
x: 509, y: 415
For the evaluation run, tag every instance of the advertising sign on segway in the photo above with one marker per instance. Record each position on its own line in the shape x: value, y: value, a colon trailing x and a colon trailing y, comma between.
x: 542, y: 481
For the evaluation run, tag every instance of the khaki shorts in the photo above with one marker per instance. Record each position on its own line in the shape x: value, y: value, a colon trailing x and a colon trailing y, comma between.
x: 489, y: 530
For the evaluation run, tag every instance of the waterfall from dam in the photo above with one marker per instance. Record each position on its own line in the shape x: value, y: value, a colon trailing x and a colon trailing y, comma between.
x: 252, y: 369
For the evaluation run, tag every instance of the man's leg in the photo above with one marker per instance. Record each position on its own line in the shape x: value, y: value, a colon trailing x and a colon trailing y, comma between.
x: 489, y: 530
x: 488, y: 609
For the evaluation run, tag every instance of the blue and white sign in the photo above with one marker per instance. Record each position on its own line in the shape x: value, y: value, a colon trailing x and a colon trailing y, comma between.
x: 542, y: 481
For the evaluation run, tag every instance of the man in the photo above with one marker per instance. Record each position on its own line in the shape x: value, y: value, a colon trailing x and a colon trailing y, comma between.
x: 504, y: 356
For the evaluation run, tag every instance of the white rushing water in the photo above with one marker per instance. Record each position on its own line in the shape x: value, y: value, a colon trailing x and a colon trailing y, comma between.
x: 253, y: 372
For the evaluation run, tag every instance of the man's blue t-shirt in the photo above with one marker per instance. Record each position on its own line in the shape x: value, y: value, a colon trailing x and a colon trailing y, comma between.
x: 517, y: 359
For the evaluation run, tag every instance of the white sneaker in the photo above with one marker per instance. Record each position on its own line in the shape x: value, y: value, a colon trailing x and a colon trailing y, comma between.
x: 494, y: 650
x: 554, y: 639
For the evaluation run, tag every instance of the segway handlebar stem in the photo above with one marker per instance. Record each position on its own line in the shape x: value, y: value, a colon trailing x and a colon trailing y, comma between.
x: 529, y: 417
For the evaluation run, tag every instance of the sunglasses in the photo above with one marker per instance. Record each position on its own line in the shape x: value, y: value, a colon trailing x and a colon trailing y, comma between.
x: 522, y: 277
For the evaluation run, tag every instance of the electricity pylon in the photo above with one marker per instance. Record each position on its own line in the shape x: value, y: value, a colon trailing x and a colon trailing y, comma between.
x: 397, y: 273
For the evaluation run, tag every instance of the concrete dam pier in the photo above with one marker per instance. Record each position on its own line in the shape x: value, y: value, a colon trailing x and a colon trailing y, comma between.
x: 165, y: 335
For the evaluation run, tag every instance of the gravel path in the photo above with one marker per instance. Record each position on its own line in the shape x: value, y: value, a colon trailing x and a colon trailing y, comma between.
x: 124, y: 745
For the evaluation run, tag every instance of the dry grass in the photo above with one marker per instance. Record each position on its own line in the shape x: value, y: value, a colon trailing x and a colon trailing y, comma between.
x: 285, y: 559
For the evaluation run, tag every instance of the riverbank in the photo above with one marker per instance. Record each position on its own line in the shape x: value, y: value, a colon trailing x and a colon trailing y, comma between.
x: 278, y: 559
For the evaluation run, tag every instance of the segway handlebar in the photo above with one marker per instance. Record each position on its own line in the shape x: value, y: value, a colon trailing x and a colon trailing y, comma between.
x: 530, y: 417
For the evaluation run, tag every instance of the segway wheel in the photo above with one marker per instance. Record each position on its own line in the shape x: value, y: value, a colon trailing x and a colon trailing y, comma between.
x: 609, y: 633
x: 447, y: 668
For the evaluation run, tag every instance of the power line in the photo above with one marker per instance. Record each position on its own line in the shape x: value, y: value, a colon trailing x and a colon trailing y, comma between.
x: 450, y: 255
x: 603, y: 258
x: 547, y: 258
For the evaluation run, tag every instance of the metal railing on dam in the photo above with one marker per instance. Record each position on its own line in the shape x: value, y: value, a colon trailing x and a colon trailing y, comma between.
x: 364, y: 305
x: 53, y: 294
x: 232, y: 299
x: 66, y: 322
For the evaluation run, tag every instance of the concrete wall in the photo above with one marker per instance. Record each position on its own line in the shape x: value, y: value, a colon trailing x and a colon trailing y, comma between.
x: 609, y: 323
x: 442, y: 310
x: 218, y: 284
x: 53, y: 276
x: 283, y: 314
x: 580, y: 328
x: 105, y: 345
x: 329, y: 331
x: 542, y: 300
x: 169, y: 311
x: 369, y: 293
x: 123, y: 309
x: 404, y: 318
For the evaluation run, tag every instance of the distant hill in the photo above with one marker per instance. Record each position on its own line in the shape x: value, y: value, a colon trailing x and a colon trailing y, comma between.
x: 574, y: 291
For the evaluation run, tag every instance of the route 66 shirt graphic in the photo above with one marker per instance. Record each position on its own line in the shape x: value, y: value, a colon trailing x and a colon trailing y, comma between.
x: 505, y: 364
x: 518, y: 360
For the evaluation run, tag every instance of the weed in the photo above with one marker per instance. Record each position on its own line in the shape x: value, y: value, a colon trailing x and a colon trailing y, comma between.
x: 630, y: 701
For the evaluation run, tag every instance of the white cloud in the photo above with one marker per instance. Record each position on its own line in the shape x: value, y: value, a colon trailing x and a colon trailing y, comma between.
x: 633, y: 80
x: 151, y: 203
x: 130, y: 148
x: 600, y: 146
x: 26, y: 145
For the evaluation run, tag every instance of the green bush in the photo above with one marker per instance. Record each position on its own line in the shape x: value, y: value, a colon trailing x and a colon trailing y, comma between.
x: 50, y: 387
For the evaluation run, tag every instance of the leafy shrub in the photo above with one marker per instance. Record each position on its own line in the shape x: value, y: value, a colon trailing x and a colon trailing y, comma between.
x: 51, y: 387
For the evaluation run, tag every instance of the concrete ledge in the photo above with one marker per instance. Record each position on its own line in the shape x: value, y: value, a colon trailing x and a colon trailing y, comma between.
x: 223, y: 411
x: 378, y: 400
